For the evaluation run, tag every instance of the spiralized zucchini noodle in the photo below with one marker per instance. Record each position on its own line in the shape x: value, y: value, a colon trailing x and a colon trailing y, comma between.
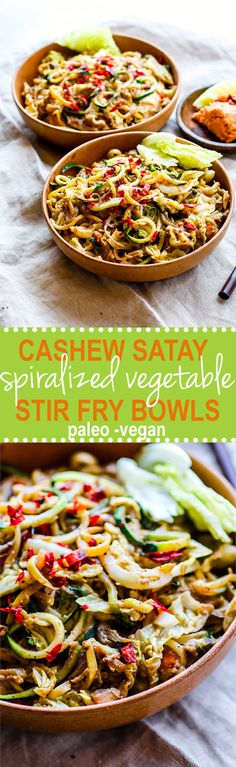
x: 107, y: 591
x: 129, y: 210
x: 100, y: 91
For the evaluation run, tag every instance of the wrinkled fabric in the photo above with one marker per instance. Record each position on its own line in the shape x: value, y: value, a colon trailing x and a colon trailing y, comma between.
x: 198, y: 731
x: 39, y: 285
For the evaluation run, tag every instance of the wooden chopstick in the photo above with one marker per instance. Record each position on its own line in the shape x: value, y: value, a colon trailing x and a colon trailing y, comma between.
x: 229, y: 286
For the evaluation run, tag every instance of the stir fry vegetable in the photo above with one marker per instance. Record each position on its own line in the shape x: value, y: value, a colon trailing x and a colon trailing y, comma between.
x: 106, y: 589
x: 140, y: 207
x: 101, y: 90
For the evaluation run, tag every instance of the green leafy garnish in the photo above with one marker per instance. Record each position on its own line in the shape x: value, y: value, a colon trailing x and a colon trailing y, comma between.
x: 189, y: 156
x: 90, y: 40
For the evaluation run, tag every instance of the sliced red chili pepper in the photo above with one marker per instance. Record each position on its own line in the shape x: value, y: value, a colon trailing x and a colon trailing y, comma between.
x: 84, y: 607
x: 96, y: 81
x: 189, y: 226
x: 49, y: 560
x: 15, y: 515
x: 115, y: 107
x: 128, y: 653
x: 30, y: 553
x: 108, y: 172
x: 86, y: 488
x: 45, y: 529
x: 18, y: 616
x: 159, y: 606
x: 66, y: 486
x: 97, y: 495
x: 58, y: 581
x: 94, y: 520
x: 74, y: 559
x: 16, y: 613
x: 71, y: 67
x: 53, y: 653
x: 66, y: 90
x: 101, y: 72
x: 154, y: 236
x: 20, y: 577
x: 161, y: 557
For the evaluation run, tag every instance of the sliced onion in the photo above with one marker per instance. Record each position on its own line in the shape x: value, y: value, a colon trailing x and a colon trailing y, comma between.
x: 63, y: 538
x: 36, y: 573
x: 139, y: 578
x: 40, y: 544
x: 34, y: 520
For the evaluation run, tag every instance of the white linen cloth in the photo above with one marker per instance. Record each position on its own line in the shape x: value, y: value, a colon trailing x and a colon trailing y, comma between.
x: 40, y: 286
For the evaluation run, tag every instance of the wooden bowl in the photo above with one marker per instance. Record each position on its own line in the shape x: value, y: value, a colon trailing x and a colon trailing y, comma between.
x: 95, y: 150
x: 68, y: 137
x: 194, y: 130
x: 126, y: 710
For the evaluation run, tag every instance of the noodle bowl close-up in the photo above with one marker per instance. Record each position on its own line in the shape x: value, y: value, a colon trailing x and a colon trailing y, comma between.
x: 115, y: 578
x: 98, y: 91
x: 141, y: 206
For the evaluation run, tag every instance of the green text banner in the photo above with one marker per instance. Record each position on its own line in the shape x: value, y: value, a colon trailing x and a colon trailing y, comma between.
x: 117, y: 384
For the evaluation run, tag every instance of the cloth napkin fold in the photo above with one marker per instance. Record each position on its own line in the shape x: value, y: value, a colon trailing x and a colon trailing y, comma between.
x: 128, y: 746
x: 40, y: 286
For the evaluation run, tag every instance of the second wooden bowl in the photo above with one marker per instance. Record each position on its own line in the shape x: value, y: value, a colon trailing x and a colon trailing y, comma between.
x: 126, y: 710
x: 95, y: 150
x: 68, y: 137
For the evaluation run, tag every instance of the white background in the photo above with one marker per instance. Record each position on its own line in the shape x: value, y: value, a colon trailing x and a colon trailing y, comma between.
x: 46, y: 19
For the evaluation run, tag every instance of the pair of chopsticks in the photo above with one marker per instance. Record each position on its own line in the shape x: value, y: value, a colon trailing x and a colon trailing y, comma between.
x: 224, y: 460
x: 229, y: 286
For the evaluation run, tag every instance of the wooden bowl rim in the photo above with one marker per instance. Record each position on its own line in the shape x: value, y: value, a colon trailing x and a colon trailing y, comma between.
x: 213, y: 477
x: 222, y: 146
x: 76, y: 133
x: 217, y: 165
